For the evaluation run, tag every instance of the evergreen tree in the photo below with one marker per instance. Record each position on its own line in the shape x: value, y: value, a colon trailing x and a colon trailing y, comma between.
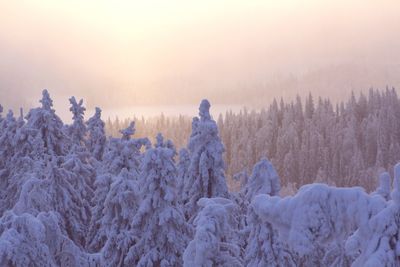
x: 212, y: 244
x: 120, y: 206
x: 206, y: 172
x: 159, y: 224
x: 96, y: 141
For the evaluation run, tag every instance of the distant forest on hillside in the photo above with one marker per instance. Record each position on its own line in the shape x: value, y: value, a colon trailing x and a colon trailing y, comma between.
x: 307, y: 140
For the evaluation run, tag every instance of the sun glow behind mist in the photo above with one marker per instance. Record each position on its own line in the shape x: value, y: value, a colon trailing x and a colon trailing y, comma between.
x: 129, y: 52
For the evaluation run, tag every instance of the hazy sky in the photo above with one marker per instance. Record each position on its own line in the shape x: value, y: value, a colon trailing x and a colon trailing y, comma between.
x: 126, y: 52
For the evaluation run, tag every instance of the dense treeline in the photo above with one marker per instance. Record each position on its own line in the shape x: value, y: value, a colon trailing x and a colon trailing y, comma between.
x: 70, y: 196
x: 345, y: 144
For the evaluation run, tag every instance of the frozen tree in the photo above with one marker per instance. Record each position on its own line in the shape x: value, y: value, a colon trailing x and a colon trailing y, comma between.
x: 212, y: 244
x: 263, y: 180
x: 45, y: 123
x: 96, y: 140
x: 264, y: 246
x: 27, y: 240
x: 159, y: 225
x: 20, y: 154
x: 23, y: 241
x: 120, y: 206
x: 77, y: 131
x: 380, y: 246
x: 384, y: 186
x: 81, y: 177
x: 317, y: 217
x: 56, y: 193
x: 183, y: 173
x: 96, y: 236
x: 124, y: 152
x: 206, y: 171
x: 128, y: 132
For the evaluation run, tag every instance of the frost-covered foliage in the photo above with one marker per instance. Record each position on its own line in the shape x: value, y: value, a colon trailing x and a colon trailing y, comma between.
x: 96, y: 141
x: 120, y: 206
x: 159, y: 224
x: 27, y: 240
x: 343, y: 144
x: 46, y: 125
x: 77, y: 131
x: 206, y: 171
x: 183, y: 173
x: 380, y: 245
x: 69, y: 196
x: 97, y: 237
x: 263, y: 180
x: 384, y: 186
x: 23, y: 241
x: 124, y: 152
x: 212, y: 244
x: 56, y: 193
x: 264, y: 247
x: 317, y: 217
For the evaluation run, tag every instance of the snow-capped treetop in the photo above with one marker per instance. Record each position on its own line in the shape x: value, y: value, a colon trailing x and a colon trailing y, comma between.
x: 47, y: 102
x: 263, y: 180
x: 204, y: 110
x: 77, y: 109
x: 206, y: 172
x: 161, y: 143
x: 159, y: 223
x: 78, y: 128
x: 96, y: 141
x: 45, y: 123
x: 128, y: 132
x: 96, y: 117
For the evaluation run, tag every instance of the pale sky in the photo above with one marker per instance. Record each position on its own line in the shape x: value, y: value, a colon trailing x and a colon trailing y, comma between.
x: 175, y: 52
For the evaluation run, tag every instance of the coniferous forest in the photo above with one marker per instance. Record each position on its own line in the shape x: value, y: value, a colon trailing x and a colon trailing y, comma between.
x: 311, y: 140
x: 209, y: 191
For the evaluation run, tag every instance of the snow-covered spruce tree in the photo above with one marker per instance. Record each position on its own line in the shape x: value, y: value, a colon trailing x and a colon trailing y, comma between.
x: 81, y: 177
x: 77, y: 131
x: 206, y: 172
x: 124, y: 152
x: 27, y: 240
x: 96, y: 237
x: 159, y: 225
x: 263, y: 246
x: 44, y: 122
x: 380, y: 246
x: 183, y: 173
x: 120, y: 206
x: 55, y: 193
x: 23, y: 241
x: 96, y: 141
x: 263, y: 180
x: 384, y: 186
x: 8, y: 129
x: 318, y: 219
x: 212, y: 244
